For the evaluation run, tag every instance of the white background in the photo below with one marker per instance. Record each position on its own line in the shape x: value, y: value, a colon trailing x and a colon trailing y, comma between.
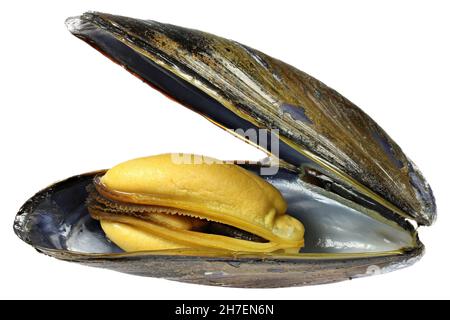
x: 65, y: 109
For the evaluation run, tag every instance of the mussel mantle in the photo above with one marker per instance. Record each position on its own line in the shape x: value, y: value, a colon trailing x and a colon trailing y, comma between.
x: 160, y: 202
x: 345, y: 178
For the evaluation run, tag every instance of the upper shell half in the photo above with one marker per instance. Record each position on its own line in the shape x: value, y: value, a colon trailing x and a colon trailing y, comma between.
x: 238, y: 87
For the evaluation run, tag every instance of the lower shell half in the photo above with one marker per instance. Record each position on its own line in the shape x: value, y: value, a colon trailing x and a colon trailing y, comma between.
x: 343, y: 241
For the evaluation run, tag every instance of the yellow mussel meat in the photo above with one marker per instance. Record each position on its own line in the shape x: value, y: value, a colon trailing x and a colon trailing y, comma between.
x: 173, y: 201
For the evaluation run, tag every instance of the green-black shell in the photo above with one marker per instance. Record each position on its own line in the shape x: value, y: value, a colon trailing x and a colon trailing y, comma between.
x: 322, y: 134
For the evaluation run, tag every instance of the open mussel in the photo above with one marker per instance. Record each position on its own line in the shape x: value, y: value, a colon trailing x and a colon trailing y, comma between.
x: 341, y: 203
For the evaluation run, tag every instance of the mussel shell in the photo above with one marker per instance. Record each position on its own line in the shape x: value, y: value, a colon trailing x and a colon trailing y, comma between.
x: 56, y: 222
x: 239, y: 87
